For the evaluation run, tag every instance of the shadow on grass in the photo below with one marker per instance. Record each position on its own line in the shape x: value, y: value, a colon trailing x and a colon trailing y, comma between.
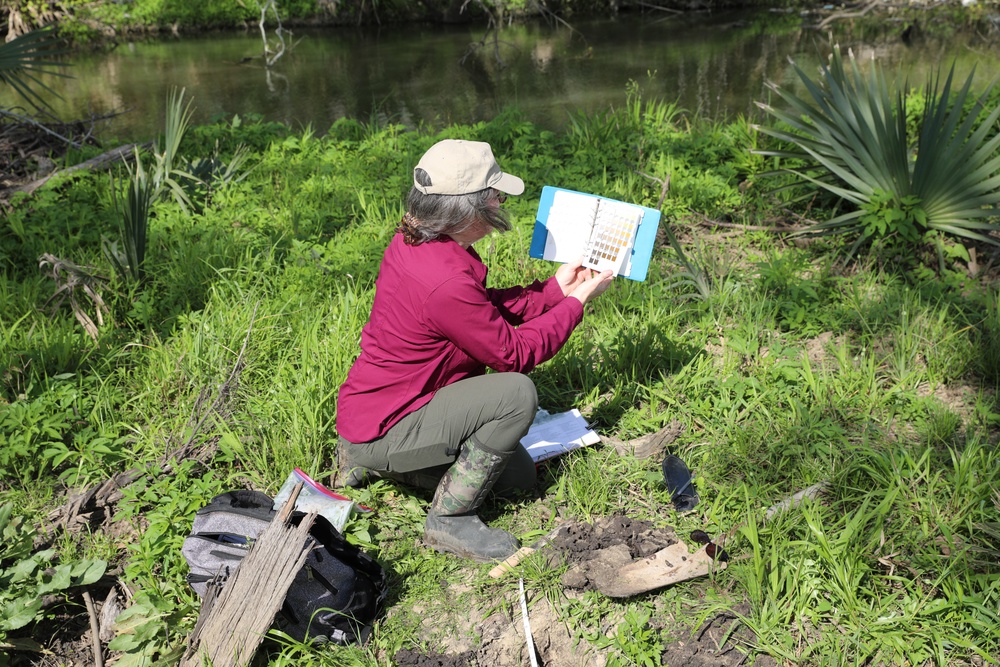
x: 609, y: 375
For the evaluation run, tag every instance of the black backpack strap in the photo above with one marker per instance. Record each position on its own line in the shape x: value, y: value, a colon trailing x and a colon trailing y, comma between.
x: 246, y: 502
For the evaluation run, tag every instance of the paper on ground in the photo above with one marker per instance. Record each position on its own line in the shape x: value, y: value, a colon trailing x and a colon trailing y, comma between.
x: 551, y: 435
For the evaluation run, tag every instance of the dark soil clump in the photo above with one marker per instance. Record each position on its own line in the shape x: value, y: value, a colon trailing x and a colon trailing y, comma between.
x: 578, y: 541
x: 714, y: 644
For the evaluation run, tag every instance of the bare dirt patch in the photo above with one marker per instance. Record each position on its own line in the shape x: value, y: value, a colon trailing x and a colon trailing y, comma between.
x: 715, y: 644
x: 595, y: 551
x: 817, y: 351
x: 410, y: 658
x: 588, y: 550
x: 960, y: 399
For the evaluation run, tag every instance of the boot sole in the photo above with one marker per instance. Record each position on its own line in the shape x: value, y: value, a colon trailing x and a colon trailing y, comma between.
x: 447, y: 547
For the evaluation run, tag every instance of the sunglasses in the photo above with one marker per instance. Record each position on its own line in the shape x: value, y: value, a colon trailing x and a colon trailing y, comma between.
x: 714, y: 551
x: 501, y: 196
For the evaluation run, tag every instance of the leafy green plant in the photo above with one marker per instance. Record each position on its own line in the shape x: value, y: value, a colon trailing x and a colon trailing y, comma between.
x: 790, y: 281
x: 26, y: 578
x: 884, y: 216
x: 147, y: 632
x: 43, y: 433
x: 154, y: 504
x: 637, y: 640
x: 153, y: 627
x: 852, y: 141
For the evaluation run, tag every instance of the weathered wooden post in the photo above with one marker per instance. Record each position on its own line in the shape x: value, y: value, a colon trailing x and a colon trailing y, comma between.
x: 232, y: 625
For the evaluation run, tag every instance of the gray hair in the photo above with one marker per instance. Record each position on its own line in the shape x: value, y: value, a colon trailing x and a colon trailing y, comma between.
x: 441, y: 215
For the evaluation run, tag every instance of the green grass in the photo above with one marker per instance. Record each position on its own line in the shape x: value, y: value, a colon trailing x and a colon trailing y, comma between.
x: 786, y: 367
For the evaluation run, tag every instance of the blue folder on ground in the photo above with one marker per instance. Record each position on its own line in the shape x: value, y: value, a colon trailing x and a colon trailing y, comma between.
x: 608, y: 233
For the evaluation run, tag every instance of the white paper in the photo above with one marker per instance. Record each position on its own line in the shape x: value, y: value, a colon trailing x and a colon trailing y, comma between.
x: 552, y: 435
x: 569, y: 225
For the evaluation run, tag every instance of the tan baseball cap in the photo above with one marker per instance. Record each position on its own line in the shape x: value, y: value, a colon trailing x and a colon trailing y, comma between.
x: 458, y: 167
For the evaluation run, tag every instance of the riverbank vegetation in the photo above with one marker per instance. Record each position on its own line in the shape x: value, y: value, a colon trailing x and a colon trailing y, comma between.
x: 105, y: 23
x: 777, y: 361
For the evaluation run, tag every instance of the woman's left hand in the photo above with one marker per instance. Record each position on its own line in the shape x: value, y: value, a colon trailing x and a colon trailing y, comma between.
x: 571, y: 275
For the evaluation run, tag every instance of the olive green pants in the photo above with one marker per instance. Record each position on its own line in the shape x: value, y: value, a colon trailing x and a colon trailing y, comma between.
x: 496, y: 409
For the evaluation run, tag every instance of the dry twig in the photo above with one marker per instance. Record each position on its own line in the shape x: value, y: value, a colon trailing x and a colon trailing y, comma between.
x: 95, y: 630
x: 664, y: 186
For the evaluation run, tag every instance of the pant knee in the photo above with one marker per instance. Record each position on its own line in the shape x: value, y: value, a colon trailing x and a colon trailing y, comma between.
x: 523, y: 398
x: 512, y: 404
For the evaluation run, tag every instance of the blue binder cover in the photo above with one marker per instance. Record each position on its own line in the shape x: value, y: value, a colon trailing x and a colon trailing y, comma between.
x: 642, y: 248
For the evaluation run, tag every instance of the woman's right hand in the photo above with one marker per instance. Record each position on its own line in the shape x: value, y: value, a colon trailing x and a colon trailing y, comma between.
x: 593, y: 286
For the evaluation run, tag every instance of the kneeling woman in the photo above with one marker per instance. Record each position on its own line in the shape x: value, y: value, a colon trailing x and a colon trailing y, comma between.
x: 417, y: 404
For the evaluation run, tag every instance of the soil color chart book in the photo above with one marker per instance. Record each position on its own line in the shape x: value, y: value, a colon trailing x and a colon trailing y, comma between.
x: 607, y: 233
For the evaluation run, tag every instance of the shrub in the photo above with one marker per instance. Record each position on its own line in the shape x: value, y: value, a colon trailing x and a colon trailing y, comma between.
x: 853, y: 142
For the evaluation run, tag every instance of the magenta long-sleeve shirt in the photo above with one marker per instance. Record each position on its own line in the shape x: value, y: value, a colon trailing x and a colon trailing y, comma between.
x: 434, y: 322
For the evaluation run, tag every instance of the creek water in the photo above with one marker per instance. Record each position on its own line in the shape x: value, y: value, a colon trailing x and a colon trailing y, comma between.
x: 714, y: 64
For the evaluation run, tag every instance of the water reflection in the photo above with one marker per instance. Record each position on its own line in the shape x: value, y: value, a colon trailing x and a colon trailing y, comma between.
x: 427, y: 75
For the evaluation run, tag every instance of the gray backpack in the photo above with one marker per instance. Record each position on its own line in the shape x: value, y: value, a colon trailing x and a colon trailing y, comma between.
x: 337, y: 595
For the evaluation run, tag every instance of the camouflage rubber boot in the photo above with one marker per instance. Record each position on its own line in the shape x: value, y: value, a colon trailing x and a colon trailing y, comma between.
x: 452, y: 524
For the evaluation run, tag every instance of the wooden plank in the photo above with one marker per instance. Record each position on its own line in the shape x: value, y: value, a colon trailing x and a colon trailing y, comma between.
x: 230, y: 630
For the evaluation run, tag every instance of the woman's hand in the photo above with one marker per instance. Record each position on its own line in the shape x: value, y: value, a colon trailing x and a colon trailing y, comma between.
x: 571, y: 275
x: 593, y: 285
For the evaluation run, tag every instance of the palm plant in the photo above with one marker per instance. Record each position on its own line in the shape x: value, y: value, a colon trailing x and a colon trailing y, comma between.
x: 143, y: 188
x: 852, y: 140
x: 168, y: 175
x: 165, y: 172
x: 693, y: 274
x: 25, y: 57
x: 132, y: 212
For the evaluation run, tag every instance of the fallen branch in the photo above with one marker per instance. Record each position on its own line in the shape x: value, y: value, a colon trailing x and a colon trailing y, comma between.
x: 492, y: 29
x: 807, y: 222
x: 809, y: 493
x: 271, y: 57
x: 119, y: 154
x: 796, y: 499
x: 705, y: 220
x: 649, y: 445
x: 660, y: 9
x: 552, y: 16
x: 847, y: 15
x: 664, y: 186
x: 39, y: 126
